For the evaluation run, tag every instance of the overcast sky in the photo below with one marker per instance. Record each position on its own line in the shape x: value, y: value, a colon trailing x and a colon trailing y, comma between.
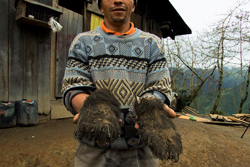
x: 199, y: 14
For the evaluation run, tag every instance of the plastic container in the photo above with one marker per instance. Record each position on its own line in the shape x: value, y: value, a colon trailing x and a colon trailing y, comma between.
x: 27, y: 113
x: 7, y: 114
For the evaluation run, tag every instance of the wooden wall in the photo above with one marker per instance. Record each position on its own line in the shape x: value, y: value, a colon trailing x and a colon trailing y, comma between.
x: 72, y: 24
x: 4, y: 80
x: 137, y: 20
x: 46, y: 2
x: 24, y: 60
x: 95, y: 21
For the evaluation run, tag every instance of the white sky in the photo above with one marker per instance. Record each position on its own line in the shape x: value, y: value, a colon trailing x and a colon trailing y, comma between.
x: 199, y: 14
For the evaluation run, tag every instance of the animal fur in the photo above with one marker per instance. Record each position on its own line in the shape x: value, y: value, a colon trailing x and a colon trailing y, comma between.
x: 157, y: 130
x: 99, y: 117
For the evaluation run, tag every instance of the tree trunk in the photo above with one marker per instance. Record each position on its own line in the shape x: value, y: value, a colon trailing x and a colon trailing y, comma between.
x: 220, y: 64
x: 246, y: 95
x: 217, y: 101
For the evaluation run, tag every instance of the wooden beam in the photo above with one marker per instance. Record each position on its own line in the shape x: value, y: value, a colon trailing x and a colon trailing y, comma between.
x: 242, y: 115
x: 238, y: 120
x: 227, y: 119
x: 55, y: 3
x: 53, y: 55
x: 188, y: 117
x: 84, y: 13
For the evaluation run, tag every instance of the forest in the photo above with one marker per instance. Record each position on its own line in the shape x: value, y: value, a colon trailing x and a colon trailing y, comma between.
x: 210, y: 72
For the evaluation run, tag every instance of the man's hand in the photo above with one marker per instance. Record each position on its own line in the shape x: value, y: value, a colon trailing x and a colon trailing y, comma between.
x: 77, y: 103
x: 99, y: 116
x: 76, y: 117
x: 156, y: 128
x: 171, y: 113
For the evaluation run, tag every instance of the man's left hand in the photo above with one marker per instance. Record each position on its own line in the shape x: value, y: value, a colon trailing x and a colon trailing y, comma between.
x: 171, y: 113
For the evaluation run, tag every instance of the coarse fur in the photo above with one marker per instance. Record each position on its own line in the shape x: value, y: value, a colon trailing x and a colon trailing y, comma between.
x: 157, y: 130
x: 99, y: 117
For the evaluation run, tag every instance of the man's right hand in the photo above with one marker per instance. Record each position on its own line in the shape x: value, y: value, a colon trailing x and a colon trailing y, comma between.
x: 77, y: 103
x: 99, y: 117
x: 75, y: 119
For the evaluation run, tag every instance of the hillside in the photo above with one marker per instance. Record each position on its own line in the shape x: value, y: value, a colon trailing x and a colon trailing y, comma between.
x: 229, y: 103
x: 230, y: 97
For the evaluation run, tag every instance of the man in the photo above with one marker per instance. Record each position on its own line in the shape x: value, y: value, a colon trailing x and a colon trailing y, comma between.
x: 130, y: 63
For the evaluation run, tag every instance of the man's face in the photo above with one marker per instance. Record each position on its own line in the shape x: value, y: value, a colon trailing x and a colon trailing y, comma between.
x: 117, y: 11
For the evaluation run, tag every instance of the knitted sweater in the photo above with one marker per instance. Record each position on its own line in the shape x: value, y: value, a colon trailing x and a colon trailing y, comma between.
x: 129, y: 65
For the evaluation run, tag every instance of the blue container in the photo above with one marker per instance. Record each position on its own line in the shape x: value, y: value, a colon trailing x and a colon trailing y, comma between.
x: 27, y: 113
x: 7, y: 114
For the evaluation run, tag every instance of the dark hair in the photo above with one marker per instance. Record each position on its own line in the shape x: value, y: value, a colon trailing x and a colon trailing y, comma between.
x: 99, y: 3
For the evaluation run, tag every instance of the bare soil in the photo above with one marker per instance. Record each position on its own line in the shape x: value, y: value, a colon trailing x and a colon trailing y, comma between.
x: 51, y: 144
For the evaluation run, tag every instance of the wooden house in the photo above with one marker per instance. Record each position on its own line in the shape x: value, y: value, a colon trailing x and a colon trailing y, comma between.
x: 33, y: 58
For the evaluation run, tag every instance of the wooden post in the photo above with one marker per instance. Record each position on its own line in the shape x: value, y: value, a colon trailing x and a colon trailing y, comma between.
x: 54, y: 3
x: 84, y: 13
x: 53, y: 55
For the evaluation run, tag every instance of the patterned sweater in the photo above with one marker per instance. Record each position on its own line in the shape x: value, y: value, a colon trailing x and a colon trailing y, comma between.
x: 128, y: 65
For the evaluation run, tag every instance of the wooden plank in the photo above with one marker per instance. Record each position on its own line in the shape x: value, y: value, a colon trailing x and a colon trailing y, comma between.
x: 71, y: 31
x: 30, y: 62
x: 79, y: 23
x: 87, y: 24
x: 243, y: 118
x: 220, y: 118
x: 85, y: 16
x: 55, y: 3
x: 95, y: 21
x: 46, y: 2
x: 187, y: 117
x: 43, y: 70
x: 62, y: 51
x: 242, y: 115
x: 16, y: 59
x: 4, y: 84
x: 199, y: 119
x: 227, y: 119
x: 238, y: 120
x: 21, y: 10
x: 214, y: 116
x: 53, y: 55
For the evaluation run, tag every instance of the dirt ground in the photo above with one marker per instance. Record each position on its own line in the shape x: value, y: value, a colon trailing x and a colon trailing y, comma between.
x: 51, y: 144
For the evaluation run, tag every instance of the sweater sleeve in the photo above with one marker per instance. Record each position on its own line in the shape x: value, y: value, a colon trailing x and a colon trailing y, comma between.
x: 158, y: 81
x: 77, y: 77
